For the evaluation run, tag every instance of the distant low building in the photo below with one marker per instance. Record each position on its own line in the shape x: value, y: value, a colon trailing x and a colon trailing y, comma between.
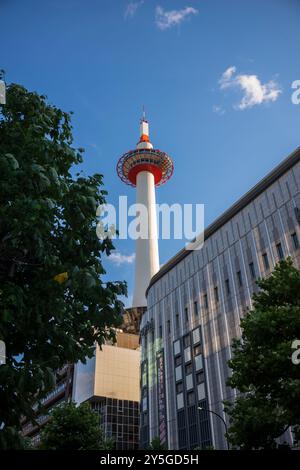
x: 61, y: 393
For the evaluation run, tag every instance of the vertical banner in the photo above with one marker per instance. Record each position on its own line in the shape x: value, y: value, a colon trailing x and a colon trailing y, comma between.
x: 162, y: 411
x: 2, y: 92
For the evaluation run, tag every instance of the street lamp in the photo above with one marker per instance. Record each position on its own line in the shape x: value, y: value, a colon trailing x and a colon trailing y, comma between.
x: 222, y: 419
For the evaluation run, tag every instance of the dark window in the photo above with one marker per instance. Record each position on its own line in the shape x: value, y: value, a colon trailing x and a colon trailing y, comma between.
x: 191, y: 398
x: 196, y: 309
x: 227, y: 286
x: 160, y: 331
x: 186, y: 315
x: 295, y: 240
x: 168, y: 327
x: 179, y: 387
x: 239, y: 278
x: 279, y: 251
x: 205, y: 300
x: 200, y: 377
x: 197, y: 350
x: 177, y: 320
x: 178, y: 361
x: 266, y: 260
x: 252, y: 270
x: 216, y: 292
x: 188, y: 369
x: 186, y: 341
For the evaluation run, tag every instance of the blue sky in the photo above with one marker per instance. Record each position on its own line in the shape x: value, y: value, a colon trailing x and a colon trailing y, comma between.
x: 215, y: 77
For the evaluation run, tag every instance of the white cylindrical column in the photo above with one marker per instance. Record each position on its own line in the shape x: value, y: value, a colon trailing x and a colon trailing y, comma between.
x: 147, y: 259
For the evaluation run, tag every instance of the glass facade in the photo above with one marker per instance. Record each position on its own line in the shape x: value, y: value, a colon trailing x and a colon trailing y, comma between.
x: 203, y: 294
x: 120, y: 421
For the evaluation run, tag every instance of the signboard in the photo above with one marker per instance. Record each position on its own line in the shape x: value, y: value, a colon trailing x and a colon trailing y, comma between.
x: 162, y: 410
x: 2, y: 92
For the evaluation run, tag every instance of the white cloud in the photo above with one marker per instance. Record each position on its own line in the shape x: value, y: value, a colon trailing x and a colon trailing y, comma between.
x: 168, y: 19
x: 218, y: 109
x: 255, y: 92
x: 118, y: 259
x: 226, y: 76
x: 132, y: 8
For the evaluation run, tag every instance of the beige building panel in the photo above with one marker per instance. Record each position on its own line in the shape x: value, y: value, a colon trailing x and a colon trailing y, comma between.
x: 117, y: 373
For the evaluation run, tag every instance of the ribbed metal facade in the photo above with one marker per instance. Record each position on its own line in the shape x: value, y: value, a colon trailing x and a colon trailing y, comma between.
x: 195, y: 304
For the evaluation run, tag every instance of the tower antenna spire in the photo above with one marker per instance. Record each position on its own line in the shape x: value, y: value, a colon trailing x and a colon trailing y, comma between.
x: 144, y: 113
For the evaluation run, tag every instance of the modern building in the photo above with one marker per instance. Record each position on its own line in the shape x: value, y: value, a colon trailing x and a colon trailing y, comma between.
x: 110, y: 382
x: 195, y: 302
x: 61, y: 393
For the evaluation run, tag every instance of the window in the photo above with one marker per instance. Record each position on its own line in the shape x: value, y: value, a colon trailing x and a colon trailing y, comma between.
x: 279, y: 251
x: 189, y: 381
x: 196, y: 313
x: 177, y: 320
x: 265, y: 260
x: 227, y: 286
x: 200, y: 377
x: 180, y: 401
x: 196, y: 336
x: 216, y: 293
x: 177, y: 347
x: 239, y: 278
x: 178, y: 373
x: 197, y: 350
x: 179, y: 387
x: 186, y: 341
x: 178, y: 361
x: 187, y: 354
x: 252, y: 270
x: 160, y: 331
x: 205, y: 301
x: 188, y: 369
x: 198, y: 362
x: 191, y: 398
x: 201, y: 391
x: 168, y: 327
x: 186, y: 315
x: 295, y: 240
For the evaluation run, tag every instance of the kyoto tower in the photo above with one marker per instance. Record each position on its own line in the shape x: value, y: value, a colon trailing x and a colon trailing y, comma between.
x: 144, y: 168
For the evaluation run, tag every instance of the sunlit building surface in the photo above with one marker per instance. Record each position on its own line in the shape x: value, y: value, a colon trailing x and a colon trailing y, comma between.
x: 110, y: 382
x: 195, y: 303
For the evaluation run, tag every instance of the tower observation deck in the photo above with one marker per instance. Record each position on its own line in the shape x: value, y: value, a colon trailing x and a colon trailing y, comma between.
x: 145, y: 168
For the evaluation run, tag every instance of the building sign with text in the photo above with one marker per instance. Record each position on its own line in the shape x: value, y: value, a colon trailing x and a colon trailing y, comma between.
x: 162, y: 411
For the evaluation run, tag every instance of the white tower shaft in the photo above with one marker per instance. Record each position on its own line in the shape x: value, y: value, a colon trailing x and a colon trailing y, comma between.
x: 147, y: 258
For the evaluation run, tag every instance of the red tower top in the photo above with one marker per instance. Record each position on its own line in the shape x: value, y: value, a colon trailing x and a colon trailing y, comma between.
x: 145, y: 158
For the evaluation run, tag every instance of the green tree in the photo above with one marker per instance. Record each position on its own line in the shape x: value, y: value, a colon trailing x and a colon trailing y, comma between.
x: 155, y: 444
x: 74, y: 427
x: 54, y: 304
x: 262, y: 369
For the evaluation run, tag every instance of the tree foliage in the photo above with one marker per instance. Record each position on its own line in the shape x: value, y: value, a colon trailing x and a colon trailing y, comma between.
x: 262, y: 369
x: 74, y: 428
x: 54, y: 304
x: 155, y: 444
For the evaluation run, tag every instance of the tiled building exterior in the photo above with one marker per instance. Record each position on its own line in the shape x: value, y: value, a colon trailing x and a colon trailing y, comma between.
x: 195, y: 303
